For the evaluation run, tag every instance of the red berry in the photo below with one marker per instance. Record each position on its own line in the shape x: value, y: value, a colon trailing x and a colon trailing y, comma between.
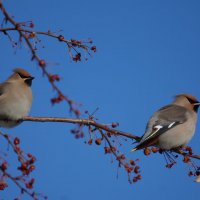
x: 16, y: 141
x: 17, y: 149
x: 94, y: 48
x: 186, y: 159
x: 135, y: 179
x: 98, y: 141
x: 147, y: 151
x: 33, y: 159
x: 42, y: 63
x: 3, y: 185
x: 107, y: 150
x: 29, y: 185
x: 139, y: 177
x: 31, y: 25
x: 61, y: 38
x: 190, y: 173
x: 132, y: 162
x: 123, y: 157
x: 170, y: 165
x: 4, y: 166
x: 136, y: 170
x: 154, y: 149
x: 29, y: 155
x: 77, y: 112
x: 90, y: 141
x: 115, y: 124
x: 31, y: 168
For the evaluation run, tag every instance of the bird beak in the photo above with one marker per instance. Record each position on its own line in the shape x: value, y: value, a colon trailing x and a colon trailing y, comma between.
x: 196, y: 104
x: 31, y: 78
x: 28, y: 80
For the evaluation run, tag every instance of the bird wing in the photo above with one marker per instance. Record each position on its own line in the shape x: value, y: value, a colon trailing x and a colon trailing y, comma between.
x: 3, y: 99
x: 2, y: 89
x: 164, y: 119
x: 172, y: 113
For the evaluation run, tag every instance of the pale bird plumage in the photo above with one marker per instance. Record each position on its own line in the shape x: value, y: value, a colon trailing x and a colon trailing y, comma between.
x: 197, y: 179
x: 15, y: 98
x: 173, y: 125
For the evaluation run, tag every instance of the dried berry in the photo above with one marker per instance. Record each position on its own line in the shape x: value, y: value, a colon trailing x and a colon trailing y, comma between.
x: 42, y: 63
x: 77, y: 112
x: 132, y: 162
x: 61, y: 38
x: 90, y: 141
x: 31, y: 25
x: 135, y: 179
x: 115, y: 124
x: 190, y: 173
x: 31, y: 168
x: 77, y: 57
x: 94, y: 48
x: 154, y: 149
x: 189, y: 149
x: 54, y: 77
x: 109, y: 134
x: 33, y: 159
x: 186, y: 159
x: 98, y: 141
x: 17, y: 149
x: 29, y: 155
x: 29, y: 185
x: 57, y: 99
x: 147, y: 151
x: 170, y: 165
x: 4, y: 166
x: 136, y: 170
x: 16, y: 141
x: 3, y: 185
x: 139, y: 177
x: 107, y: 150
x: 114, y: 149
x: 128, y: 168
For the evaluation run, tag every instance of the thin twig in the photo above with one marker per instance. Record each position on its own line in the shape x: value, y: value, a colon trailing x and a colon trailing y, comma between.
x: 19, y: 185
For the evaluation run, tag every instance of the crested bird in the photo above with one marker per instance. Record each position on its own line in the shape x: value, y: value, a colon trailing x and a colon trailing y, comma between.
x: 15, y: 98
x: 173, y: 125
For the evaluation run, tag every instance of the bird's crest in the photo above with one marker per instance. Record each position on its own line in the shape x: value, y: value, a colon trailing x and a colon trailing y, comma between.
x: 22, y: 73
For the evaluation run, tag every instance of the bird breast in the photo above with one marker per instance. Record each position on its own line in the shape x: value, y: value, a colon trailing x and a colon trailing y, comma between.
x: 180, y: 135
x: 15, y: 102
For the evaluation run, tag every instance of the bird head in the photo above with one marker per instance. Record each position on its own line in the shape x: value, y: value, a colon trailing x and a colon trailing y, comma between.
x: 21, y: 75
x: 188, y: 101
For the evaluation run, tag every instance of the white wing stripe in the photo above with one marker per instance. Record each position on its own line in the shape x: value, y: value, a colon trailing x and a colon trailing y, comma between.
x: 158, y: 127
x: 171, y: 124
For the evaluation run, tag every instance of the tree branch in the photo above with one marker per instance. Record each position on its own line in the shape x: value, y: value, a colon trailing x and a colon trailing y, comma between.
x: 86, y: 122
x: 89, y: 122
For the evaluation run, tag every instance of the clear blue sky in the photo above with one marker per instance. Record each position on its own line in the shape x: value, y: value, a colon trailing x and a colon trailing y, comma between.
x: 148, y: 51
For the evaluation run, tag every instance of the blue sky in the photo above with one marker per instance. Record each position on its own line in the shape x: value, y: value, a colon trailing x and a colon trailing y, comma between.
x: 147, y: 51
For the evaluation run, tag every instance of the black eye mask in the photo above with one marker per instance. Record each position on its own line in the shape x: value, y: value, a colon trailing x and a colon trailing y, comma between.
x: 23, y: 76
x: 192, y: 101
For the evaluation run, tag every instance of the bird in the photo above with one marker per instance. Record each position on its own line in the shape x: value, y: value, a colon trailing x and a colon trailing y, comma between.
x: 15, y: 98
x: 172, y: 126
